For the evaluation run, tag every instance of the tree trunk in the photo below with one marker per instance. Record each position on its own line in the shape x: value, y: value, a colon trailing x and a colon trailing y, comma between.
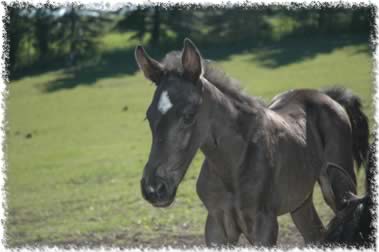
x: 73, y: 48
x: 42, y: 38
x: 14, y: 37
x: 155, y: 33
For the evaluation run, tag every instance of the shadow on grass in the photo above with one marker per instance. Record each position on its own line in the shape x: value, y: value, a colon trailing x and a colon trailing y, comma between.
x: 271, y: 55
x: 292, y: 50
x: 111, y: 64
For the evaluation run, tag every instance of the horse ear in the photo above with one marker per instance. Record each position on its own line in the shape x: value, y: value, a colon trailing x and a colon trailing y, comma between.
x: 151, y: 68
x: 191, y: 61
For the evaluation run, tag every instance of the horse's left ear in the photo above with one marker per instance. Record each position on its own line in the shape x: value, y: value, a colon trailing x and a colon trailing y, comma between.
x: 191, y: 61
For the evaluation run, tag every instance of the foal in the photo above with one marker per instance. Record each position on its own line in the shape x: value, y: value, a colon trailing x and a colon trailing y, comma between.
x: 260, y: 161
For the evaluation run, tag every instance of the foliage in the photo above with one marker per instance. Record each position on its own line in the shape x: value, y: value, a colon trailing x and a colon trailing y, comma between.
x: 77, y: 27
x: 67, y: 35
x: 40, y: 35
x: 159, y: 23
x: 17, y: 30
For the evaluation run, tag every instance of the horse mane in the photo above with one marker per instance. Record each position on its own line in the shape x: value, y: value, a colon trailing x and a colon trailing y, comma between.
x: 230, y: 87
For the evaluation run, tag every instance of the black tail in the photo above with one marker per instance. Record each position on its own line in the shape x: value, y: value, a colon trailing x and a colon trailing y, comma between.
x: 358, y: 120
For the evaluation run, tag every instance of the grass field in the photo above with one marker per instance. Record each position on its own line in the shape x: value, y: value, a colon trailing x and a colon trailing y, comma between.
x: 76, y: 143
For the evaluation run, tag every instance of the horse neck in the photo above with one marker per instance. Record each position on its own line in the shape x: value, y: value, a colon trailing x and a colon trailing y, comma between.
x: 230, y: 131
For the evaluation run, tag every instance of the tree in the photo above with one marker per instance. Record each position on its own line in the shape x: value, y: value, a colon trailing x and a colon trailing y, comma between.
x: 17, y: 27
x: 43, y: 23
x: 360, y: 20
x: 134, y: 20
x: 159, y: 23
x: 239, y: 23
x: 156, y: 27
x: 77, y: 28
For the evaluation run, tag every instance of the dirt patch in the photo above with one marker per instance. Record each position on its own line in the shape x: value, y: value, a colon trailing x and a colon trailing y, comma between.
x: 288, y: 239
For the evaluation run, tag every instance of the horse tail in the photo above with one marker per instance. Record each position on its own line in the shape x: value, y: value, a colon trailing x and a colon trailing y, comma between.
x: 358, y: 120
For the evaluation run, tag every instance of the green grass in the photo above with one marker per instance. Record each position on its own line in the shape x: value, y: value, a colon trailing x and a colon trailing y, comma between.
x: 75, y: 157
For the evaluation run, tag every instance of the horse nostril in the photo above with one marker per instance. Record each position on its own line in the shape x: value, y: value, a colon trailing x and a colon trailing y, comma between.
x: 161, y: 190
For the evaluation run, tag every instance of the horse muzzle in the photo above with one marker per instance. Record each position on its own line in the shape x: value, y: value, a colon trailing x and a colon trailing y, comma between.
x: 157, y: 192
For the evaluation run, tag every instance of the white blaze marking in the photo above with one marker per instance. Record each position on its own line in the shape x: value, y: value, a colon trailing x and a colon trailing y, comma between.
x: 164, y: 103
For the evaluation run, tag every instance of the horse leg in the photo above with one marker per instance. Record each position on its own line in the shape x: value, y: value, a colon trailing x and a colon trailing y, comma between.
x: 308, y: 222
x: 221, y: 230
x: 336, y: 183
x: 337, y: 176
x: 327, y: 191
x: 264, y: 231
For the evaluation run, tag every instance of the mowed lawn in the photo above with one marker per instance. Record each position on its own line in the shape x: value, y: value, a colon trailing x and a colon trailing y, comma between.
x: 75, y: 156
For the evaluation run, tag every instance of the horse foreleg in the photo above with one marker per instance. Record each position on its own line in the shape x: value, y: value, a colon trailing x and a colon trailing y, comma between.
x: 221, y: 230
x: 264, y: 231
x: 308, y: 222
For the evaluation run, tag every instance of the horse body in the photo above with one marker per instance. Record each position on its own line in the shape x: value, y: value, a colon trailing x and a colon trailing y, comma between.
x: 260, y: 161
x: 270, y: 170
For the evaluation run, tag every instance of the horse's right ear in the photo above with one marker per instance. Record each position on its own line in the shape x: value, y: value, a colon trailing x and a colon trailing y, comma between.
x: 151, y: 68
x: 191, y: 61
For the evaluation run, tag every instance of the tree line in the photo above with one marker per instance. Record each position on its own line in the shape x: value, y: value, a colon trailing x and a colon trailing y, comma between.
x: 69, y: 34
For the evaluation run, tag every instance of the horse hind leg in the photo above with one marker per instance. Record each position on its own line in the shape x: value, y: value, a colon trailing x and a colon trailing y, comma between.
x: 327, y: 192
x: 337, y: 176
x: 308, y: 222
x: 336, y: 184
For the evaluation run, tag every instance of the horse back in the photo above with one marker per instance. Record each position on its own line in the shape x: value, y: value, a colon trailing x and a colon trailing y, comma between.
x: 311, y: 130
x: 315, y: 107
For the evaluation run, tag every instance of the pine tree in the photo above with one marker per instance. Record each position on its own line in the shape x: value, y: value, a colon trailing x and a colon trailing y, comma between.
x: 77, y: 29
